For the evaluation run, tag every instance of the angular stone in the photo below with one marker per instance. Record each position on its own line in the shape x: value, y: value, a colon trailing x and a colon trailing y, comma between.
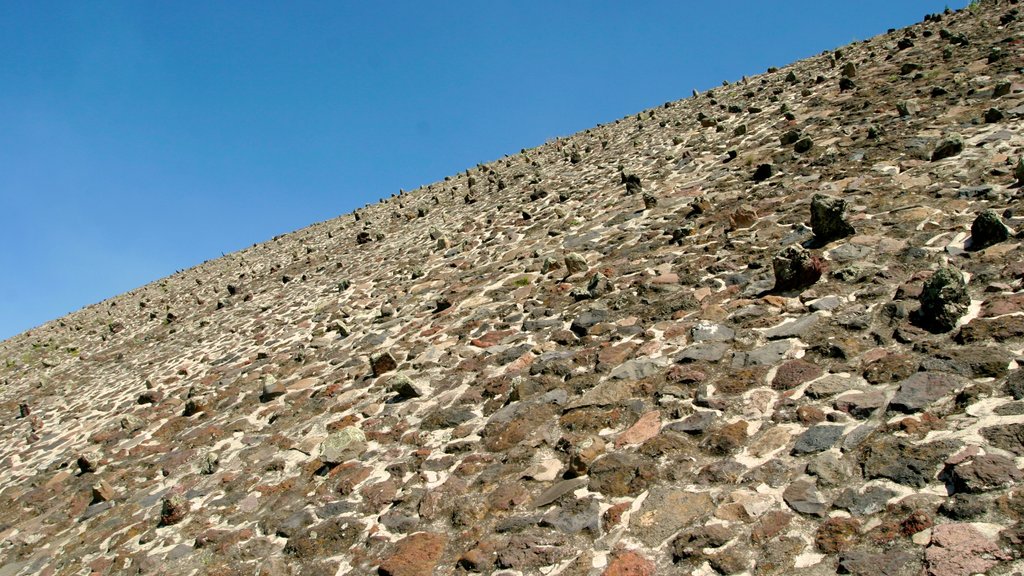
x: 944, y: 300
x: 1009, y: 437
x: 415, y: 555
x: 622, y: 474
x: 961, y: 550
x: 629, y: 563
x: 575, y: 264
x: 345, y: 444
x: 794, y: 373
x: 405, y: 388
x: 816, y: 439
x: 923, y: 389
x: 803, y: 497
x: 985, y: 473
x: 948, y: 147
x: 987, y: 230
x: 796, y: 269
x: 827, y: 218
x: 173, y: 509
x: 666, y: 511
x: 382, y: 362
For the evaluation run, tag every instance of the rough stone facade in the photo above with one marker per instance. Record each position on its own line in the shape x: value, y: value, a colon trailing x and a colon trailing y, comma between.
x: 532, y: 368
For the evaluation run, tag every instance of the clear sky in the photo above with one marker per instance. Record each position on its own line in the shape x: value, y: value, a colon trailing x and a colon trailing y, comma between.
x: 139, y: 138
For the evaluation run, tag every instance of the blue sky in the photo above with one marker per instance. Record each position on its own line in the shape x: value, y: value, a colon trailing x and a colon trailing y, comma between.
x: 140, y: 138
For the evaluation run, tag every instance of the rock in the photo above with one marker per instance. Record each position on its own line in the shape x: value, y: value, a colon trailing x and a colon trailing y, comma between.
x: 402, y: 386
x: 987, y: 230
x: 575, y: 264
x: 923, y: 389
x: 173, y: 509
x: 903, y: 462
x: 827, y: 218
x: 803, y: 497
x: 414, y: 555
x: 870, y: 562
x: 629, y: 563
x: 1018, y: 170
x: 526, y: 551
x: 794, y: 373
x: 837, y: 535
x: 666, y: 511
x: 345, y: 444
x: 382, y: 363
x: 985, y: 473
x: 872, y: 500
x: 816, y: 439
x: 102, y: 492
x: 948, y: 147
x: 582, y: 324
x: 796, y: 269
x: 803, y: 145
x: 271, y: 388
x: 961, y: 550
x: 1009, y: 437
x: 991, y: 329
x: 89, y: 461
x: 860, y: 404
x: 621, y: 474
x: 944, y: 300
x: 762, y: 173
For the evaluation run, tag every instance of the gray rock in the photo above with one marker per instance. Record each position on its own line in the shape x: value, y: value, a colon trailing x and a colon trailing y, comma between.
x: 944, y: 300
x: 769, y: 354
x: 405, y: 388
x: 703, y: 352
x: 987, y: 230
x: 557, y: 490
x: 948, y: 147
x: 574, y: 263
x: 345, y: 444
x: 803, y: 497
x: 922, y: 389
x: 575, y: 516
x: 587, y: 319
x: 817, y: 439
x: 793, y: 328
x: 872, y: 500
x: 827, y: 218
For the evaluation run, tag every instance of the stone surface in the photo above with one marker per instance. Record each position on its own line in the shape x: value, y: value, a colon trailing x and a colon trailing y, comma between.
x: 523, y: 369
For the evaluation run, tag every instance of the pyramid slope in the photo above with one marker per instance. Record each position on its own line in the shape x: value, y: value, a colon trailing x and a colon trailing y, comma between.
x: 527, y: 368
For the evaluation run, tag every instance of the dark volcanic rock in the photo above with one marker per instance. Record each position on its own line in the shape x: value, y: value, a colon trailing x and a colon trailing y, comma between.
x: 827, y: 218
x: 922, y: 389
x: 944, y: 300
x: 795, y: 269
x: 987, y: 230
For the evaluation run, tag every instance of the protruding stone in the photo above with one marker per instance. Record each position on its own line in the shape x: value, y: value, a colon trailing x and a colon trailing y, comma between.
x: 173, y: 509
x: 575, y: 264
x: 406, y: 388
x: 827, y: 218
x: 987, y: 230
x: 271, y: 388
x: 382, y: 363
x: 345, y: 444
x: 89, y: 461
x: 944, y: 300
x: 796, y: 268
x: 762, y: 173
x: 949, y: 146
x: 1018, y: 171
x: 650, y: 200
x: 102, y: 492
x: 632, y: 182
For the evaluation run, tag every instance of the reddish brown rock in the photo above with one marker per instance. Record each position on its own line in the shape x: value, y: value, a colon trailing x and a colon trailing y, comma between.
x: 794, y: 373
x: 629, y: 563
x: 414, y: 555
